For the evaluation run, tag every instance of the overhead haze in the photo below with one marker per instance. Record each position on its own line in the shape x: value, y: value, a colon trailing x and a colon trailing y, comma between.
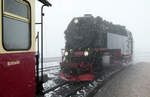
x: 134, y: 14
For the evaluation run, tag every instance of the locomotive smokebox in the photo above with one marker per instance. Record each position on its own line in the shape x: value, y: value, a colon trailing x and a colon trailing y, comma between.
x: 84, y: 32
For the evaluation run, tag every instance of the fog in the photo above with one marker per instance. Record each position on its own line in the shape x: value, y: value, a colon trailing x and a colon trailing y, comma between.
x: 134, y: 14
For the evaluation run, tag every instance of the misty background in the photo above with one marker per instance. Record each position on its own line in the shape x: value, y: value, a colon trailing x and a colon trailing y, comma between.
x: 134, y: 14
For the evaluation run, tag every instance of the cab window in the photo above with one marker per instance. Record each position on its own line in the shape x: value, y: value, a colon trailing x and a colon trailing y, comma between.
x: 16, y: 25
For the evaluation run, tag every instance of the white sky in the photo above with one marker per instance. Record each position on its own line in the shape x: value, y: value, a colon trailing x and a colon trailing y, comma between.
x: 134, y: 14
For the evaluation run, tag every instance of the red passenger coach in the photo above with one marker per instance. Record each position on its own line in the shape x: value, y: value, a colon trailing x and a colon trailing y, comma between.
x: 17, y: 76
x: 18, y: 58
x: 17, y: 48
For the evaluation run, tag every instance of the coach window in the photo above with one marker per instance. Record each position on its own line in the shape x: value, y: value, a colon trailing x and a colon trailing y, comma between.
x: 16, y: 25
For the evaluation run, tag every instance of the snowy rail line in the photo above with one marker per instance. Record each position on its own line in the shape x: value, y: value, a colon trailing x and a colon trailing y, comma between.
x: 55, y: 87
x: 80, y: 89
x: 45, y: 69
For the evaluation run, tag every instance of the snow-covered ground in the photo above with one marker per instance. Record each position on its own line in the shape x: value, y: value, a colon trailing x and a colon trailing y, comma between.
x: 51, y: 61
x: 53, y: 73
x: 141, y: 56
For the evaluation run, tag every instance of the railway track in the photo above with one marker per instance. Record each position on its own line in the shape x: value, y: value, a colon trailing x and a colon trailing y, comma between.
x: 45, y: 69
x: 108, y: 77
x: 81, y: 89
x: 76, y: 89
x: 66, y: 89
x: 55, y: 87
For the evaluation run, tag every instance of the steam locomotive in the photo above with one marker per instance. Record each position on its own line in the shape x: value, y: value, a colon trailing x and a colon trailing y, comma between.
x: 91, y: 45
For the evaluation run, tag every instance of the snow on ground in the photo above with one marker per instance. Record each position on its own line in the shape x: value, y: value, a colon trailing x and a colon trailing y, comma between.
x: 141, y: 56
x: 49, y: 84
x: 48, y: 64
x: 52, y: 73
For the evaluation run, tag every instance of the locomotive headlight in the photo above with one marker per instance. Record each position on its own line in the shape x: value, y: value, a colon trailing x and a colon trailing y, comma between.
x: 86, y: 53
x: 76, y: 21
x: 66, y: 54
